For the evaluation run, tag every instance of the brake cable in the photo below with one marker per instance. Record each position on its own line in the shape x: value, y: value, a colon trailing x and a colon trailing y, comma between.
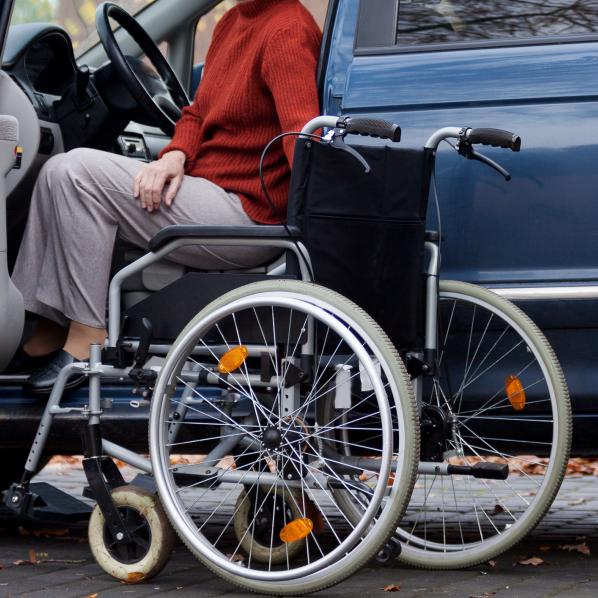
x: 270, y: 201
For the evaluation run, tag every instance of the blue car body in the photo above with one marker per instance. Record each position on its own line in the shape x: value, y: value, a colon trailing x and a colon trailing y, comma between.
x: 538, y: 231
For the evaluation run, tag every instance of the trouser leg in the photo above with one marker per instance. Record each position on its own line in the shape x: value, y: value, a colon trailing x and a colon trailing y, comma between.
x: 37, y: 237
x: 85, y: 199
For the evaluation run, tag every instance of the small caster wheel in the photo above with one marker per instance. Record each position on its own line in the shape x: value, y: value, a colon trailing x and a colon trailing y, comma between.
x: 258, y: 527
x: 152, y: 536
x: 389, y: 552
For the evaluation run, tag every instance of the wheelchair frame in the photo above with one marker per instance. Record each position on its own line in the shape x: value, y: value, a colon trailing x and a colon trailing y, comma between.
x: 97, y: 447
x: 96, y: 370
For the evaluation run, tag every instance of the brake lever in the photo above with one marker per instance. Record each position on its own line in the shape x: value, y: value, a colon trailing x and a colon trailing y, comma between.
x: 465, y: 148
x: 338, y: 142
x: 485, y: 160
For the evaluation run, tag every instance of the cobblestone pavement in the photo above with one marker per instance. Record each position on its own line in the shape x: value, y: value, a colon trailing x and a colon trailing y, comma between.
x: 67, y: 569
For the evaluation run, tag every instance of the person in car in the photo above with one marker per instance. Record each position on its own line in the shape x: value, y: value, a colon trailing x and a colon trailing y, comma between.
x: 259, y: 81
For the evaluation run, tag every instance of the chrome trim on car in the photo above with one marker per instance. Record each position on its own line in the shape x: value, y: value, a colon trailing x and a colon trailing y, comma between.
x: 547, y: 293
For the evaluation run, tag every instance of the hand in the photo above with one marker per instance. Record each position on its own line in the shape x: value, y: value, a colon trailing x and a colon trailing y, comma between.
x: 151, y: 181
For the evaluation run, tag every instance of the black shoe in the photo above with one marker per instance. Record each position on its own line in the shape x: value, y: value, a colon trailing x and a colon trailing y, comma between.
x: 42, y: 380
x: 22, y: 363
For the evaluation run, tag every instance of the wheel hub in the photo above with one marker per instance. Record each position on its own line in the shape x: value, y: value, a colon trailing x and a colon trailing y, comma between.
x: 435, y: 430
x: 141, y: 536
x: 271, y: 438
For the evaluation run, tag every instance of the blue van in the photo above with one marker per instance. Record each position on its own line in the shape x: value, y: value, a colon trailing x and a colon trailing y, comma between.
x: 526, y: 66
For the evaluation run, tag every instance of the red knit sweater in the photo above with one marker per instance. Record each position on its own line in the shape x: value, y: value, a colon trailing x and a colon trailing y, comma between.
x: 259, y: 81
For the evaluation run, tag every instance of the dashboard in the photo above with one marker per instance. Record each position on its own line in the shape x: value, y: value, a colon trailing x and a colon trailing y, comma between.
x: 69, y: 105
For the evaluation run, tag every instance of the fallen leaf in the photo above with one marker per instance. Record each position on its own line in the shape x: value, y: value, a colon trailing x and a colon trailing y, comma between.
x: 134, y: 578
x: 582, y: 548
x: 491, y: 564
x: 534, y: 561
x: 392, y: 588
x: 92, y: 595
x: 545, y: 548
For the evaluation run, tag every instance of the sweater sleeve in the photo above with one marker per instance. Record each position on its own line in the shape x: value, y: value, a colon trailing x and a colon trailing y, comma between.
x: 186, y: 133
x: 289, y: 70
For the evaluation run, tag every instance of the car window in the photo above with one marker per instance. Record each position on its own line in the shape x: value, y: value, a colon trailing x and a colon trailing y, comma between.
x: 422, y: 22
x: 76, y: 16
x: 206, y: 25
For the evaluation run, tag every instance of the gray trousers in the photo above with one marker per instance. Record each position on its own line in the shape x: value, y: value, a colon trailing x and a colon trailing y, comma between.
x: 81, y: 201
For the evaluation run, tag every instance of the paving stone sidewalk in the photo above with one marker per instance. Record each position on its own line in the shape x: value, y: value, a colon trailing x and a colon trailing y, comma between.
x: 67, y: 569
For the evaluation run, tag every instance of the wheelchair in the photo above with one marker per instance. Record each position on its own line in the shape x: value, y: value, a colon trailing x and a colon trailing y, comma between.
x: 419, y: 418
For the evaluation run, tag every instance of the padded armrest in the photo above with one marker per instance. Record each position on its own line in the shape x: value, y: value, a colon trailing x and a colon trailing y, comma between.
x: 185, y: 231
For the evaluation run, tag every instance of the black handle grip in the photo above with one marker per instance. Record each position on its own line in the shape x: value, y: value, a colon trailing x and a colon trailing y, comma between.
x: 496, y: 138
x: 373, y: 128
x: 484, y: 471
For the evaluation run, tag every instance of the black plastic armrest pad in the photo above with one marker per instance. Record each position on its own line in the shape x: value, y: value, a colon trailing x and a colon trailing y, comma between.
x: 186, y: 231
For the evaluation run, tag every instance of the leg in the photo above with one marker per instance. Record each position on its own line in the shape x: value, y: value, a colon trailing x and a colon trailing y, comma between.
x: 34, y: 245
x: 80, y: 337
x: 39, y: 260
x: 80, y: 202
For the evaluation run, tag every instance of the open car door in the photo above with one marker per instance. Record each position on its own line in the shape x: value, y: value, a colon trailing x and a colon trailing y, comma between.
x: 12, y: 313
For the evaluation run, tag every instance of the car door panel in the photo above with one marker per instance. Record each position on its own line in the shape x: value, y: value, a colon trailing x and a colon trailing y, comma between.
x: 539, y: 229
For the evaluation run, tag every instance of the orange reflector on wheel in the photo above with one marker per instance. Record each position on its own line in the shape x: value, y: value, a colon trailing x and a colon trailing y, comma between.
x: 515, y: 392
x: 232, y: 360
x: 296, y: 530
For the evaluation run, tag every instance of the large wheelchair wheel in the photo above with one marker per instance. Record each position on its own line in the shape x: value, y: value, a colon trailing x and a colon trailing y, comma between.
x: 266, y: 509
x: 499, y: 397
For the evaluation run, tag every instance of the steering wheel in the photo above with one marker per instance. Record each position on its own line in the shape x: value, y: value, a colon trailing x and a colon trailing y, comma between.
x: 158, y: 92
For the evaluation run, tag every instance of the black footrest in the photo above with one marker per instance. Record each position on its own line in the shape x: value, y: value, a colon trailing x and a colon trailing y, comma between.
x: 44, y: 502
x: 485, y: 471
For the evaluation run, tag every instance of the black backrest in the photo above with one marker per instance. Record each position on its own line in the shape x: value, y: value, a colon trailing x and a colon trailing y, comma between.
x: 365, y: 232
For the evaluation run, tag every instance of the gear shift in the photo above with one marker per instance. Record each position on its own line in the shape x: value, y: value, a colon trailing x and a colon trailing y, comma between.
x: 12, y: 312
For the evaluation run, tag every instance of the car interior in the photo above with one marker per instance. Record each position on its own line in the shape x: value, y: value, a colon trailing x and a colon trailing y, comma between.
x: 122, y: 95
